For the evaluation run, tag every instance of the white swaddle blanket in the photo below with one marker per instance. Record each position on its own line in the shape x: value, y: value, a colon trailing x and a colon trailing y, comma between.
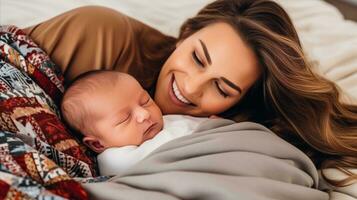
x: 116, y: 160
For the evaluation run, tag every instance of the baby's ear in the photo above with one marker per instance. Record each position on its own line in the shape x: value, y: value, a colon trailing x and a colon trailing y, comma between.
x: 93, y: 144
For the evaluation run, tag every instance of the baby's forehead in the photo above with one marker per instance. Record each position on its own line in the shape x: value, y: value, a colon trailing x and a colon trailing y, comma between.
x: 111, y: 79
x: 116, y: 82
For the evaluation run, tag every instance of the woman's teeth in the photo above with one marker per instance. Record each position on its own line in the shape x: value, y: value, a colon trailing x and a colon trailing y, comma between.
x: 178, y: 94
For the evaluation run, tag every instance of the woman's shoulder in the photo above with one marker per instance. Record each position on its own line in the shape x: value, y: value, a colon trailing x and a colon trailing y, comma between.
x: 96, y: 37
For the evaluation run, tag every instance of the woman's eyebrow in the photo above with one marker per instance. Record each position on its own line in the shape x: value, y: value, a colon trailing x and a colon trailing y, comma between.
x: 204, y: 47
x: 232, y: 85
x: 208, y: 58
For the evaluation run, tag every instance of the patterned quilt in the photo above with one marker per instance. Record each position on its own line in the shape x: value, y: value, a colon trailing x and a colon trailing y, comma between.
x: 38, y: 156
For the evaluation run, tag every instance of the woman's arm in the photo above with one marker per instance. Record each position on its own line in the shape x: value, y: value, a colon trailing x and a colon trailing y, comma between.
x: 95, y: 37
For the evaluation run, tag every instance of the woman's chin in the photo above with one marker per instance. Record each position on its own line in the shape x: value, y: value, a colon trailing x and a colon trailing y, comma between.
x: 166, y: 110
x: 171, y: 109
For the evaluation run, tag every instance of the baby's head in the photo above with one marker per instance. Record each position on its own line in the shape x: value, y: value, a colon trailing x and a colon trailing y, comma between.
x: 110, y: 109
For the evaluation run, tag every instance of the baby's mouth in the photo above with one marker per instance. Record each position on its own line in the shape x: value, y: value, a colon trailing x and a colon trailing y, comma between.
x: 148, y: 130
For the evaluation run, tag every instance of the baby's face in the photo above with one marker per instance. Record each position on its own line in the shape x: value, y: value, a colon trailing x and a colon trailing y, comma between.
x: 123, y: 115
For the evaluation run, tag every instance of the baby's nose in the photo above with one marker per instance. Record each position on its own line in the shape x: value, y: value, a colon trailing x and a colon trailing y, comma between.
x: 142, y: 114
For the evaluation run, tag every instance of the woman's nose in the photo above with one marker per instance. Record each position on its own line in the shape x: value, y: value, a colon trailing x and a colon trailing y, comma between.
x: 141, y: 114
x: 194, y: 85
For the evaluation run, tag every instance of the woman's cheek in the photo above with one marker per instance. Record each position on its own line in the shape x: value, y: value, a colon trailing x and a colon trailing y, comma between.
x: 210, y: 106
x: 215, y: 106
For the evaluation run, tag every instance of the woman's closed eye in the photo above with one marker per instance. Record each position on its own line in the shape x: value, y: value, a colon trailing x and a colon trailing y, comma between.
x: 197, y: 59
x: 220, y: 90
x: 200, y: 63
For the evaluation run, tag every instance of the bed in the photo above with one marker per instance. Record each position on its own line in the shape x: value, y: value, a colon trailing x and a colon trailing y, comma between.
x: 328, y: 39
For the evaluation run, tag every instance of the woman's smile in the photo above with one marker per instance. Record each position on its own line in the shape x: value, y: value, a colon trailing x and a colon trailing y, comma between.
x: 176, y: 95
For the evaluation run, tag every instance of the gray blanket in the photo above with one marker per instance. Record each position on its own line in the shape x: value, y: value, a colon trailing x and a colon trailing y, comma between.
x: 221, y: 160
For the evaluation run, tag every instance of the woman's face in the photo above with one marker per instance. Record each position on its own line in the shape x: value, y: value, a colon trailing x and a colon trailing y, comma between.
x: 208, y: 73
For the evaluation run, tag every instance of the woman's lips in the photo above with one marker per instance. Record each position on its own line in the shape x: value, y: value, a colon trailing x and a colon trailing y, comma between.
x: 173, y: 97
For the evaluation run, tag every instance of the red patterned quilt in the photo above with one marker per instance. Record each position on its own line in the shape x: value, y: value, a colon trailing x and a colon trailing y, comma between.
x: 38, y: 155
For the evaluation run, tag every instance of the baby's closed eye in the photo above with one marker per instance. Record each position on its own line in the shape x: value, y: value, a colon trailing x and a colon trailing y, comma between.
x: 146, y: 100
x: 124, y: 118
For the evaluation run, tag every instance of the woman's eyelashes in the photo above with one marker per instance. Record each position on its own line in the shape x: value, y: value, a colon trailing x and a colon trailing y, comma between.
x: 201, y: 64
x: 225, y: 95
x: 197, y: 59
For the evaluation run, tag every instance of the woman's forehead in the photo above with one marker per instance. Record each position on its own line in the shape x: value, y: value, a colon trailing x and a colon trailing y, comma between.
x: 222, y: 40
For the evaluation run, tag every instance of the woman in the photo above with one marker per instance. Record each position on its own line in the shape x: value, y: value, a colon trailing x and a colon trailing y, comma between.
x: 238, y: 59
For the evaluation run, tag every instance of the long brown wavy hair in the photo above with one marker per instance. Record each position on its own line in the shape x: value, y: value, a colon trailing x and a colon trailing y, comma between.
x: 299, y: 105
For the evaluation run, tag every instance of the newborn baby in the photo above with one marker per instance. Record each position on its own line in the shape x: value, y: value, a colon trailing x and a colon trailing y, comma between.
x: 110, y: 109
x: 115, y: 161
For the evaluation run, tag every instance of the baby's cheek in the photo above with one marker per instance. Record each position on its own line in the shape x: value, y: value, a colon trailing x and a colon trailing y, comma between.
x: 159, y: 118
x: 155, y: 111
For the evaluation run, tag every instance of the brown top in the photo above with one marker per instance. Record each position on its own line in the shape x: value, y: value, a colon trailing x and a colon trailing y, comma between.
x: 94, y: 37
